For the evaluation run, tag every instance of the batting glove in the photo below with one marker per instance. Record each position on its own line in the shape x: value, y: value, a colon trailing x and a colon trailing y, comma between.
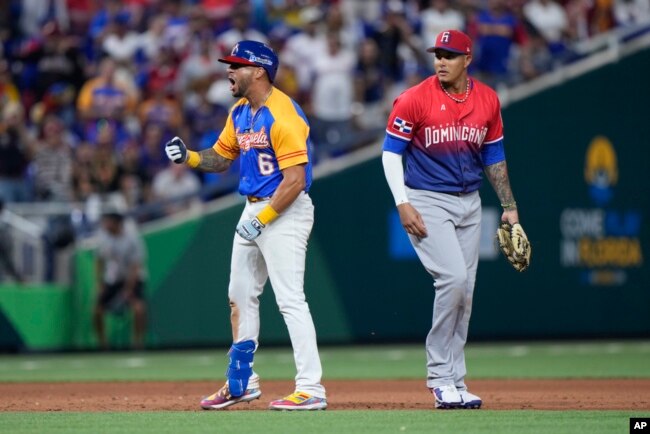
x: 176, y: 150
x: 250, y: 229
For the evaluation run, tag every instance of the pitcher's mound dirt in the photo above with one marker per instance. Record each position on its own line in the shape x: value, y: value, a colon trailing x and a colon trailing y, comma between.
x: 620, y: 394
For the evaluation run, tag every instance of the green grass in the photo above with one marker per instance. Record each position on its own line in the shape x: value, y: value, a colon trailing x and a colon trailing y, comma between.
x: 539, y: 360
x: 327, y: 422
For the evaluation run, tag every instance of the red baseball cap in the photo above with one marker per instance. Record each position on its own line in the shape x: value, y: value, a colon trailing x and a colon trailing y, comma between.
x: 454, y: 41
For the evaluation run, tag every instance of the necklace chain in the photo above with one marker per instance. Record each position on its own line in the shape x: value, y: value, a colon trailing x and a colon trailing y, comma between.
x: 453, y: 97
x: 251, y: 117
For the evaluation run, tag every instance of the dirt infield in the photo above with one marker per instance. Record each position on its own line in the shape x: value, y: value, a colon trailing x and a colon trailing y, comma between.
x: 620, y: 394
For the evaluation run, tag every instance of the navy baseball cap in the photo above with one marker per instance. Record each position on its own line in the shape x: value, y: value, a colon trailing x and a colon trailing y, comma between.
x: 254, y: 53
x: 454, y: 41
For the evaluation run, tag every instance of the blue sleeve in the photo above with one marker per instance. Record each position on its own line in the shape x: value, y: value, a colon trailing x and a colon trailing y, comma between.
x: 396, y: 146
x: 493, y: 153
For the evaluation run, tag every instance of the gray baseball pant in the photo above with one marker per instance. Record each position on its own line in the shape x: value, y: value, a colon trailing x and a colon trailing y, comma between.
x: 450, y: 255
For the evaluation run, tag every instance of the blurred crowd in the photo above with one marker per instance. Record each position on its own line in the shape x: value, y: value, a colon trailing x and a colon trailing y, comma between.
x: 90, y: 90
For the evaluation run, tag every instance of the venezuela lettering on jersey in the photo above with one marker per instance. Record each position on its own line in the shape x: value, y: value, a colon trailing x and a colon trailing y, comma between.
x: 255, y: 139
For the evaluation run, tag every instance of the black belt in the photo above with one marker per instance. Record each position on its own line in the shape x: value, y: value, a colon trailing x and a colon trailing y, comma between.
x: 253, y: 199
x: 456, y: 193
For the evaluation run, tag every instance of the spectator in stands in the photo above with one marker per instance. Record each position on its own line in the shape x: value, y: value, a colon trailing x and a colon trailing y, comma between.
x: 163, y: 70
x: 241, y: 30
x: 106, y: 99
x: 52, y: 162
x: 550, y: 20
x: 121, y: 43
x: 177, y: 28
x: 59, y: 99
x: 198, y: 70
x: 285, y: 78
x: 106, y: 170
x: 83, y: 172
x: 152, y: 39
x: 439, y: 15
x: 59, y: 60
x: 397, y: 42
x: 161, y: 108
x: 177, y: 187
x: 495, y: 29
x: 100, y: 27
x: 332, y: 99
x: 631, y: 12
x: 34, y: 13
x: 52, y: 168
x: 370, y: 87
x: 15, y: 154
x: 135, y: 182
x: 121, y: 276
x: 6, y: 248
x: 301, y: 51
x: 337, y: 22
x: 80, y: 13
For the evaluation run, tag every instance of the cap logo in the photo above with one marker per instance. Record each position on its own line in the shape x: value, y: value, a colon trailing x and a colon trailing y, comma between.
x: 254, y: 58
x: 445, y: 38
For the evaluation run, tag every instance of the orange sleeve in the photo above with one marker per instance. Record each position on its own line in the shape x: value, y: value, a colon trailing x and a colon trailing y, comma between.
x: 226, y: 145
x: 289, y: 139
x: 84, y: 99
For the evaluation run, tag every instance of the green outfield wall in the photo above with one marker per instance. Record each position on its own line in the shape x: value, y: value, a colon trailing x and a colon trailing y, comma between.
x: 35, y: 317
x: 579, y: 161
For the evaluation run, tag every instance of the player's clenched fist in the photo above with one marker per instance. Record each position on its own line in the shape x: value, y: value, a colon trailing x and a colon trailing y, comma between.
x: 176, y: 150
x: 250, y: 229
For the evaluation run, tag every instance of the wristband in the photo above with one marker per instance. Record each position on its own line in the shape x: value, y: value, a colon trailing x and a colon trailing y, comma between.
x: 267, y: 215
x: 509, y: 205
x: 193, y: 159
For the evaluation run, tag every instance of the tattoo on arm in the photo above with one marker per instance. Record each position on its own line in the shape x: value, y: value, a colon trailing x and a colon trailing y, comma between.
x: 498, y: 176
x: 213, y: 162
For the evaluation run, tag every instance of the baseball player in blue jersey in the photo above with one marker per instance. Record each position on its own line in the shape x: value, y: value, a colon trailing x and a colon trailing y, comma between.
x: 449, y: 130
x: 269, y: 133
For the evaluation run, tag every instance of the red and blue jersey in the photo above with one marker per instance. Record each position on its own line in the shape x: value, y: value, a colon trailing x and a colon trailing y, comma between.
x: 275, y: 138
x: 445, y: 144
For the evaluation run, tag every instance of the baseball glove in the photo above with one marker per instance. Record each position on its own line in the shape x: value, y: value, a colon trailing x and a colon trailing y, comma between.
x: 514, y: 244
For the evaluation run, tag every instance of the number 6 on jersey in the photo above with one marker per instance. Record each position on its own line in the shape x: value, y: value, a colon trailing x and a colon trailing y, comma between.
x: 265, y: 164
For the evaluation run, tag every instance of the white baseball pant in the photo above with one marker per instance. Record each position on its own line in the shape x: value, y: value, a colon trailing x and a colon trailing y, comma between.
x: 278, y: 254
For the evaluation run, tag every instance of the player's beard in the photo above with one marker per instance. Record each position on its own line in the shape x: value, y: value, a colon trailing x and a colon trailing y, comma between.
x: 241, y: 87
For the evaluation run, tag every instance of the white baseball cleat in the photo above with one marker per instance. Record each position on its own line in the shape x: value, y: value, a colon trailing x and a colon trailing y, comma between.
x: 470, y: 400
x: 447, y: 397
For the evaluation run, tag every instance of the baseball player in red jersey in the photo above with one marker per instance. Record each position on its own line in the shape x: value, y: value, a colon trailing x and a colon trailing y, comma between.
x: 448, y: 129
x: 269, y: 133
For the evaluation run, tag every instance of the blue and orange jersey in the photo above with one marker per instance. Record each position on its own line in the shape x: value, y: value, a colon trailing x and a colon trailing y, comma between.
x: 275, y: 138
x: 103, y: 99
x: 445, y: 144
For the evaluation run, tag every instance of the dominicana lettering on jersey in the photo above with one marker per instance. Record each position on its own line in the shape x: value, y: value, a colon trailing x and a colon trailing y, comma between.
x: 442, y: 134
